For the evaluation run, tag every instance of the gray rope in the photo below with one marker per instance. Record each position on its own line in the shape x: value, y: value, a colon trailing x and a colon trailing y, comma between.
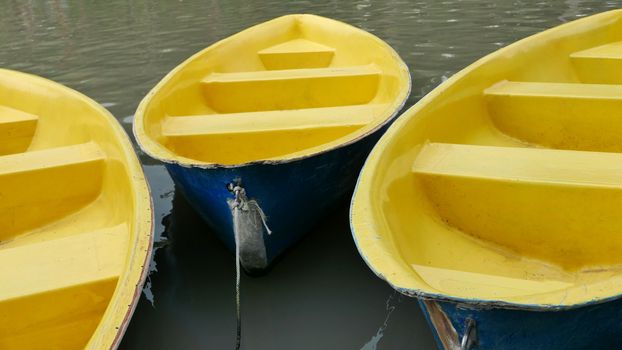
x: 241, y: 202
x: 236, y: 232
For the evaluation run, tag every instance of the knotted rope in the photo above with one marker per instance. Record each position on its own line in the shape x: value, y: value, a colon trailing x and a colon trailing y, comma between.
x: 241, y: 203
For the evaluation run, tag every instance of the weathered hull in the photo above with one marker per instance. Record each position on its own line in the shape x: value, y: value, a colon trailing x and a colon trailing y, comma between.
x: 293, y: 196
x: 597, y: 326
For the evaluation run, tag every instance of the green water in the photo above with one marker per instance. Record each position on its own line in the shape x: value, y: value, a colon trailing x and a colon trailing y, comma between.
x: 320, y: 295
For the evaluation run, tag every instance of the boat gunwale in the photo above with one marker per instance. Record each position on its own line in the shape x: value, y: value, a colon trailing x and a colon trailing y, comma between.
x: 138, y: 178
x: 144, y: 235
x: 147, y: 144
x: 411, y: 115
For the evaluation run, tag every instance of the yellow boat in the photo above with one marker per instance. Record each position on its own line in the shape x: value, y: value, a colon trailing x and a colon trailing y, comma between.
x: 285, y: 112
x: 75, y: 219
x: 500, y: 193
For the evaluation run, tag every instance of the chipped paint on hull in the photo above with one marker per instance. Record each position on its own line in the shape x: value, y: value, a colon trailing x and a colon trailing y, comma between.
x: 445, y: 333
x: 596, y: 326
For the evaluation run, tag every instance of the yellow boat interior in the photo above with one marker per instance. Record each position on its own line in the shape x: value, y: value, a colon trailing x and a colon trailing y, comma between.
x: 284, y: 89
x: 75, y: 219
x: 504, y: 184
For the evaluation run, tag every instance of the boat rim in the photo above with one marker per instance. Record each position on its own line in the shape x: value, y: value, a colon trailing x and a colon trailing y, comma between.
x: 365, y: 179
x: 147, y: 144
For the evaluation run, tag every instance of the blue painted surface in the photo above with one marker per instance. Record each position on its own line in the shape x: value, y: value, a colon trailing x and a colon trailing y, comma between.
x: 595, y: 326
x: 293, y: 195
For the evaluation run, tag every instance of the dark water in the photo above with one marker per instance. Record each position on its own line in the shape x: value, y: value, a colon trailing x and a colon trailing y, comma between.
x: 320, y: 295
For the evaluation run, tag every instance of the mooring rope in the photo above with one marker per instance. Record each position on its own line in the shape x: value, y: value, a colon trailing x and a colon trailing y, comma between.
x: 237, y: 190
x: 241, y: 203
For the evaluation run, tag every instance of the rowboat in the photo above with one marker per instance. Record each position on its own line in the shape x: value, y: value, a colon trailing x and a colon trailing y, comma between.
x: 75, y: 219
x: 272, y: 123
x: 497, y: 199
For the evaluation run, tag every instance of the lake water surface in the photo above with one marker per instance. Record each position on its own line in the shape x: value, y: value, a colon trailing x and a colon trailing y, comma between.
x: 320, y: 295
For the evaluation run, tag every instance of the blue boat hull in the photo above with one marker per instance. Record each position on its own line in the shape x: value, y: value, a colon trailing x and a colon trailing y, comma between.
x: 293, y: 195
x: 595, y: 326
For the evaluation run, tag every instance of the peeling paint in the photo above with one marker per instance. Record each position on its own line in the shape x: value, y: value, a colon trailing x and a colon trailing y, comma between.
x: 446, y: 332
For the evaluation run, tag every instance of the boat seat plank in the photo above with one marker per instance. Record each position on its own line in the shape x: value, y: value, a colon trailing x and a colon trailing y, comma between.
x: 518, y: 164
x: 16, y: 130
x: 559, y: 115
x: 62, y: 263
x: 291, y: 88
x: 610, y: 50
x: 297, y: 53
x: 600, y: 64
x: 73, y: 334
x: 556, y: 90
x: 291, y: 74
x: 61, y: 180
x: 82, y: 268
x: 57, y: 172
x: 270, y: 121
x: 548, y: 204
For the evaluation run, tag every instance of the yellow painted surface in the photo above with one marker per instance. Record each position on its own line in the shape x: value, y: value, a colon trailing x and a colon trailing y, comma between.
x: 496, y: 193
x: 600, y: 64
x: 559, y: 115
x: 285, y: 89
x: 297, y: 53
x: 16, y: 130
x: 267, y: 122
x: 75, y: 218
x: 51, y: 178
x: 505, y: 182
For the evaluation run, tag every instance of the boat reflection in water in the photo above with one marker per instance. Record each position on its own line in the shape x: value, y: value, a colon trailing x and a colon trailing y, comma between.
x: 190, y: 296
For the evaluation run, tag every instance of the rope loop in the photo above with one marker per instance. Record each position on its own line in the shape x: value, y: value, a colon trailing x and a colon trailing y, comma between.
x: 242, y: 202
